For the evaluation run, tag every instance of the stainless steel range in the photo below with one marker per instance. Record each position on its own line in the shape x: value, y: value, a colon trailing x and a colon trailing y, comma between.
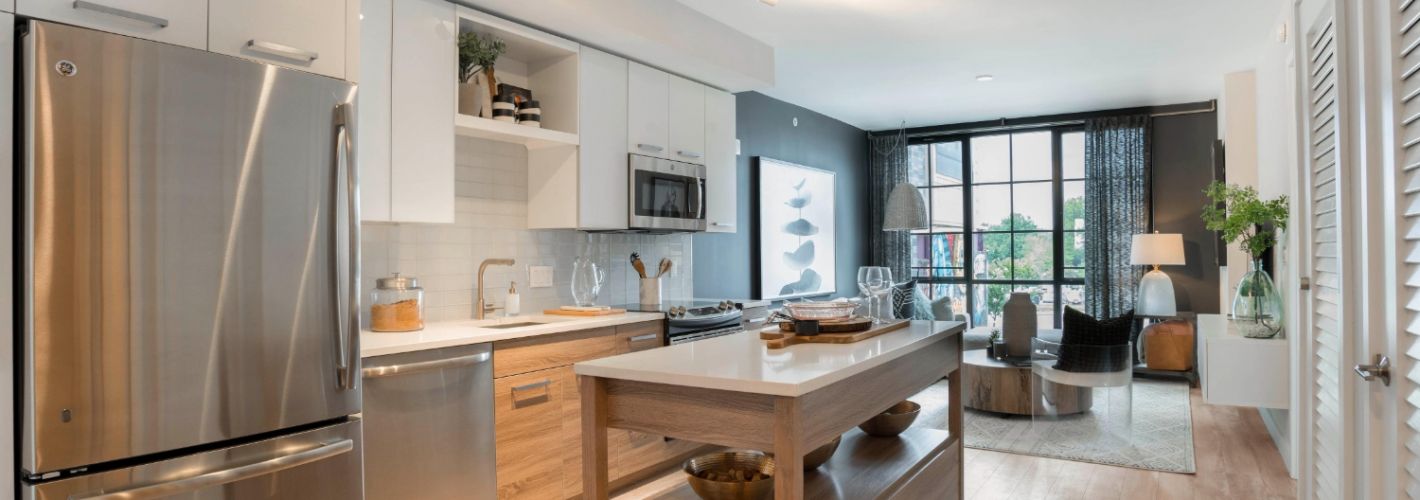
x: 689, y: 321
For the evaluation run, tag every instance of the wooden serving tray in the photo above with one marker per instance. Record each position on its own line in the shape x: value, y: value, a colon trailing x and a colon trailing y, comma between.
x: 775, y: 339
x: 568, y: 312
x: 849, y: 325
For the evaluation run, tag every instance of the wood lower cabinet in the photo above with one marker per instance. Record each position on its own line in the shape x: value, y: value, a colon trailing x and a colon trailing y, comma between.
x: 528, y: 419
x: 539, y: 413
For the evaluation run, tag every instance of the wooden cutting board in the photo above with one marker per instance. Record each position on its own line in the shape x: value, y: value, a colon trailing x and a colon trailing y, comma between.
x: 568, y: 312
x: 850, y: 325
x: 776, y: 339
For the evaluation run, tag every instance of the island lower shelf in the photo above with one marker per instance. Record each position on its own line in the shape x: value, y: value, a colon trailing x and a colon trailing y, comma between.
x: 910, y: 466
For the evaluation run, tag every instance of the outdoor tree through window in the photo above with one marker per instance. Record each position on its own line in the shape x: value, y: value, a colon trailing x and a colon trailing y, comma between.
x: 1007, y: 214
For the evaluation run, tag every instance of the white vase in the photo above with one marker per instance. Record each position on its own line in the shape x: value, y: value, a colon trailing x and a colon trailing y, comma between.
x: 1018, y: 323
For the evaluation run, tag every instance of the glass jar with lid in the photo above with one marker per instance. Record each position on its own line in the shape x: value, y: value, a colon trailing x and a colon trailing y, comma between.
x: 397, y: 305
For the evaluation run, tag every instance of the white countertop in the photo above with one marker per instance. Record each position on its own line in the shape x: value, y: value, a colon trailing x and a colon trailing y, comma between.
x: 455, y: 333
x: 742, y: 363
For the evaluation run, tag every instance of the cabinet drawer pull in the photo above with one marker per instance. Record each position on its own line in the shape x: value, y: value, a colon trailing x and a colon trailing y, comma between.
x: 650, y: 147
x: 690, y: 154
x: 722, y: 224
x: 544, y: 383
x: 279, y: 50
x: 117, y: 12
x: 643, y: 338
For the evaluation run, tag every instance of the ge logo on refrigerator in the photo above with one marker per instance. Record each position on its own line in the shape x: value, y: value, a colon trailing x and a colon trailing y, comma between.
x: 66, y: 68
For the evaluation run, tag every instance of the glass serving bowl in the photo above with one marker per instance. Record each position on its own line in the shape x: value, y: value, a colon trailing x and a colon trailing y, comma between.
x: 820, y: 310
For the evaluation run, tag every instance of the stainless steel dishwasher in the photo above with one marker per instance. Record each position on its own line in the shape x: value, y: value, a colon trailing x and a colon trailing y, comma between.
x: 429, y: 424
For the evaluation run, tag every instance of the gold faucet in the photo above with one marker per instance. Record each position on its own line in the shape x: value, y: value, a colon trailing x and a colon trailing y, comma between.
x: 482, y: 308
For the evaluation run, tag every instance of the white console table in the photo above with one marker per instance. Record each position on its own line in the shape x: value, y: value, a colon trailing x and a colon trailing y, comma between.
x: 1238, y: 371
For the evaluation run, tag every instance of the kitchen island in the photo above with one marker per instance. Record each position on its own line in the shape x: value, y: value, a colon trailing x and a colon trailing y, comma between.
x: 733, y: 391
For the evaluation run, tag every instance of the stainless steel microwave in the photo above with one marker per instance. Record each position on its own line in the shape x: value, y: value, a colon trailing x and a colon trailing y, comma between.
x: 666, y: 195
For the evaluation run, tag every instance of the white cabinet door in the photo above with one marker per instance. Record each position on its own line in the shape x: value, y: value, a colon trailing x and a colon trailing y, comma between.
x: 687, y: 121
x: 721, y: 162
x: 179, y: 22
x: 424, y: 62
x: 308, y: 35
x: 373, y: 126
x: 602, y: 175
x: 648, y: 113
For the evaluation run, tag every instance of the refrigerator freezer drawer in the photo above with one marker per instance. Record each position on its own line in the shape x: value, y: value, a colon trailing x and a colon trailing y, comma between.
x: 429, y: 424
x: 318, y: 464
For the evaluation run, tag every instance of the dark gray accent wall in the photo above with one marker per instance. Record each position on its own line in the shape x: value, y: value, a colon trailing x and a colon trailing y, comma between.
x: 727, y: 265
x: 1183, y: 166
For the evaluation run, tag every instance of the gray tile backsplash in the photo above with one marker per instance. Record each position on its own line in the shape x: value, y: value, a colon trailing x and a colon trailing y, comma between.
x: 490, y: 222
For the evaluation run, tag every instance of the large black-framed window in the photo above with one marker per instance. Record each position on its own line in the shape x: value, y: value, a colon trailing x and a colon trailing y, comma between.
x: 1006, y: 212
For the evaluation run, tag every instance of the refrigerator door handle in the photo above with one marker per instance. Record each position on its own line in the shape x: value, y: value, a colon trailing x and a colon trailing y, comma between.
x: 224, y: 476
x: 347, y: 308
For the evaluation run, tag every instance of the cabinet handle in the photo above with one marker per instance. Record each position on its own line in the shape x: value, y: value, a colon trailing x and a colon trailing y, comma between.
x: 650, y: 147
x: 124, y: 13
x: 690, y: 154
x: 544, y: 383
x: 643, y: 338
x: 279, y: 50
x: 722, y: 224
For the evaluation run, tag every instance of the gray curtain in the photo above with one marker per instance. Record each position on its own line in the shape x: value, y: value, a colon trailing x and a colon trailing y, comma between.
x: 887, y: 166
x: 1117, y: 193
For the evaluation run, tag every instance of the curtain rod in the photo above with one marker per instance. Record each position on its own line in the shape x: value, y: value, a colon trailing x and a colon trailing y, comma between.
x: 1051, y: 120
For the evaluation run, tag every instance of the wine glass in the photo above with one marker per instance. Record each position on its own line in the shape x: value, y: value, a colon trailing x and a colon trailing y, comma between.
x: 863, y: 286
x: 884, y: 289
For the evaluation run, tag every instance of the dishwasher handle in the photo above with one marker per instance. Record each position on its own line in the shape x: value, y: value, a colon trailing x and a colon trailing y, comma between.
x: 424, y: 366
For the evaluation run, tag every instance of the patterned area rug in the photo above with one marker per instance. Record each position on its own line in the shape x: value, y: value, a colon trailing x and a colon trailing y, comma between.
x: 1162, y: 441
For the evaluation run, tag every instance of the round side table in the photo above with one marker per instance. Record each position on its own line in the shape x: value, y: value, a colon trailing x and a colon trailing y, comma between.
x: 997, y: 386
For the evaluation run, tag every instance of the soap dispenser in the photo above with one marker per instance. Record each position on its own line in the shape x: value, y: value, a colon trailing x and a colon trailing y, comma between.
x: 512, y: 304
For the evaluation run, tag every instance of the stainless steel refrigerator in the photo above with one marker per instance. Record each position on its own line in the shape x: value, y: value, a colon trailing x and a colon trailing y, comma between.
x: 189, y: 255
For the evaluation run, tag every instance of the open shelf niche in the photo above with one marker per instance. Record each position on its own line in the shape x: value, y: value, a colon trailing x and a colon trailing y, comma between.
x: 542, y: 63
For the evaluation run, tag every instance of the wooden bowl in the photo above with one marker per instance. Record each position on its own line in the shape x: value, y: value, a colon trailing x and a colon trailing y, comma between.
x: 724, y: 462
x: 821, y: 454
x: 893, y: 421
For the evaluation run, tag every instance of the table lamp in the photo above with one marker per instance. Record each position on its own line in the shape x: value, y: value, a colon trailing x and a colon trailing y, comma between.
x: 1156, y: 289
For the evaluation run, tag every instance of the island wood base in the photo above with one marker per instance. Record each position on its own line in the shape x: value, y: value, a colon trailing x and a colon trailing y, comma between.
x: 786, y: 426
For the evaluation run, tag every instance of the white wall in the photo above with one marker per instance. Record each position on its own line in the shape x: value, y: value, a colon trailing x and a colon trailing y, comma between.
x: 490, y: 220
x: 1277, y: 164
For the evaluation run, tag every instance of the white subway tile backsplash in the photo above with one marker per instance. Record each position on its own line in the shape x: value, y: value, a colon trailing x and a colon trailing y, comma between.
x: 490, y: 221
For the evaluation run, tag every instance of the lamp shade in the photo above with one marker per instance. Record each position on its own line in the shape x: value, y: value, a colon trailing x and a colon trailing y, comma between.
x: 905, y: 209
x: 1156, y: 250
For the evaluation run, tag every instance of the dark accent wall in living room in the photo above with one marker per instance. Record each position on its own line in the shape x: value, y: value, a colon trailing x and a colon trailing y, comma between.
x: 1183, y: 166
x: 726, y: 265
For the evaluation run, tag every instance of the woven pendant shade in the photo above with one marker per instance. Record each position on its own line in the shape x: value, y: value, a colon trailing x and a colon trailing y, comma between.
x: 905, y: 209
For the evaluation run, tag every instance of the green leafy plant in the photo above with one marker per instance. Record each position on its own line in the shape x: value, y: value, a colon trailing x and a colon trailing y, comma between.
x: 479, y: 52
x: 1238, y: 214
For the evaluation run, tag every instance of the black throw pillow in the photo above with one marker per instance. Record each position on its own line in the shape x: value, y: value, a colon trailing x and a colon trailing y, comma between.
x: 904, y: 296
x: 1094, y: 346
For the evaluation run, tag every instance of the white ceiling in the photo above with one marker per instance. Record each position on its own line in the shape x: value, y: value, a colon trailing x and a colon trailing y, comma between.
x: 876, y: 63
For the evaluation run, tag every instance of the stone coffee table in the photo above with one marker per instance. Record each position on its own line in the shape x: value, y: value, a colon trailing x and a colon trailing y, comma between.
x: 1000, y: 387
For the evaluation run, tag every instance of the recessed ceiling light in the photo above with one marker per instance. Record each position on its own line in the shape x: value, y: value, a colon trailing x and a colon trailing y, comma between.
x: 984, y: 78
x: 770, y: 3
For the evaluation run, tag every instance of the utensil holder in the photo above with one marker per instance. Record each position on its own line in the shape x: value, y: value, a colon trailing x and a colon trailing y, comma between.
x: 650, y: 291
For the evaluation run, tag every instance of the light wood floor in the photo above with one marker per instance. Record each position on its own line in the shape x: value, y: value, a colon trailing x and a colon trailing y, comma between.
x: 1234, y: 456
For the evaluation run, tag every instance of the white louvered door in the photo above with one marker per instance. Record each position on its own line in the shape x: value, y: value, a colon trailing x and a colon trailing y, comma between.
x: 1328, y: 384
x: 1404, y: 214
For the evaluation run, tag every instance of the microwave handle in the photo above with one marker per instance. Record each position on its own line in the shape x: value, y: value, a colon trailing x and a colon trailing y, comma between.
x: 700, y: 201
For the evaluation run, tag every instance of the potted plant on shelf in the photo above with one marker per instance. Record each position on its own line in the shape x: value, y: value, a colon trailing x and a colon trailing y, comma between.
x: 477, y: 54
x: 1238, y: 215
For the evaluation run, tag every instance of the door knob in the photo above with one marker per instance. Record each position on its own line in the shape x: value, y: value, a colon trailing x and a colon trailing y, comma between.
x: 1379, y: 370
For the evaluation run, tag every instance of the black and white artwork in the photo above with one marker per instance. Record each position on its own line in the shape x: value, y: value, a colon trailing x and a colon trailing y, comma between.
x: 796, y: 230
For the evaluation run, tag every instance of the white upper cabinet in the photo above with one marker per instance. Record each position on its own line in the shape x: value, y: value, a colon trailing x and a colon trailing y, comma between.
x: 721, y: 162
x: 373, y: 125
x: 648, y: 111
x: 179, y: 22
x: 687, y: 121
x: 308, y: 34
x: 423, y: 79
x: 602, y: 194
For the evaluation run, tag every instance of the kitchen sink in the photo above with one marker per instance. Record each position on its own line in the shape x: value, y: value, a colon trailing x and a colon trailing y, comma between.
x: 505, y: 326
